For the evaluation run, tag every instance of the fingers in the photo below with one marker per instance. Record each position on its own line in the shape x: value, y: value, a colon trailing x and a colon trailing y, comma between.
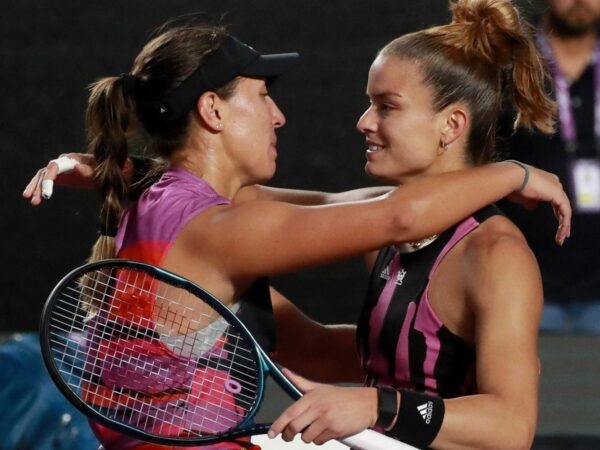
x: 546, y: 186
x: 33, y: 189
x: 561, y: 206
x: 316, y: 433
x: 329, y: 412
x: 42, y: 184
x: 305, y: 421
x: 300, y: 415
x: 57, y: 166
x: 47, y: 188
x: 285, y: 420
x: 563, y: 213
x: 45, y: 182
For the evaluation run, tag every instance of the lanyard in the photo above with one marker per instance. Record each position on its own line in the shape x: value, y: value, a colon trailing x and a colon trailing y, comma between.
x: 566, y: 118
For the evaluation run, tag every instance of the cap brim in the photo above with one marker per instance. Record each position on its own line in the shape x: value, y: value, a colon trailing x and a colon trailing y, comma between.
x: 270, y: 66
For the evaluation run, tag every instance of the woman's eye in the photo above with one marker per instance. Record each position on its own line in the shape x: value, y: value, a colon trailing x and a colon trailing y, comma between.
x: 385, y: 107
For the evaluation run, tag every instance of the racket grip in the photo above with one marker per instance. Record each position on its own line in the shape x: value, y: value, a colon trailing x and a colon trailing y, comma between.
x: 372, y: 440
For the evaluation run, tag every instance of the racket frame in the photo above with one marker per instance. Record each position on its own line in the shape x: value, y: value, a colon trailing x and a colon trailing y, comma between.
x: 367, y: 439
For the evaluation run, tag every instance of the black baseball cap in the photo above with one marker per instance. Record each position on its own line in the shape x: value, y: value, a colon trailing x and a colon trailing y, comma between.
x: 232, y: 59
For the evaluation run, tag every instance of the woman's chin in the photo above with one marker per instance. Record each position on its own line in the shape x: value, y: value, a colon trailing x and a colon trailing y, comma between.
x: 373, y: 173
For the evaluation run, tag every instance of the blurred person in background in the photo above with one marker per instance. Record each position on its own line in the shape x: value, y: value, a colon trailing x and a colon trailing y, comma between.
x: 567, y: 36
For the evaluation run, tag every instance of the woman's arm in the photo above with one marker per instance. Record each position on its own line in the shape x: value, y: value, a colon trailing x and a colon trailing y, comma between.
x: 325, y: 353
x: 82, y: 176
x: 308, y: 198
x: 275, y: 237
x: 505, y: 296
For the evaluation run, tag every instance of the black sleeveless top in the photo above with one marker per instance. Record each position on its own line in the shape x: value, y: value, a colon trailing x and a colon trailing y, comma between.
x: 401, y: 341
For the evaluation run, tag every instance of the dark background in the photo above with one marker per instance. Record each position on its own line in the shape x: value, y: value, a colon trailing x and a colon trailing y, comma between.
x: 51, y: 50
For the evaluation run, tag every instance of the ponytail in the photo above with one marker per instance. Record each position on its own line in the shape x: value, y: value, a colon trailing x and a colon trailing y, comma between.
x: 495, y: 32
x: 535, y: 108
x: 109, y: 117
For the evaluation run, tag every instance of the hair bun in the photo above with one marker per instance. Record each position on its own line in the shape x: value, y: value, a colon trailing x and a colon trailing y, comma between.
x: 471, y: 11
x: 493, y: 31
x: 492, y: 28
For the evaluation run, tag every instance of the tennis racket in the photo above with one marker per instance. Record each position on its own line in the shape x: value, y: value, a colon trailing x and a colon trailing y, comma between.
x: 152, y: 355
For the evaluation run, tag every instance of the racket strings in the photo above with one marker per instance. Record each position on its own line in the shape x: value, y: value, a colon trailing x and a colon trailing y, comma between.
x: 152, y: 357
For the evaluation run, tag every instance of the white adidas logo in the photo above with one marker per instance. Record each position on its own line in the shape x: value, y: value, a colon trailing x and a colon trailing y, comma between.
x: 426, y: 409
x: 385, y: 274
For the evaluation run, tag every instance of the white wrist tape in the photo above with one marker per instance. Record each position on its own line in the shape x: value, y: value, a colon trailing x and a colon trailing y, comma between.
x: 64, y: 164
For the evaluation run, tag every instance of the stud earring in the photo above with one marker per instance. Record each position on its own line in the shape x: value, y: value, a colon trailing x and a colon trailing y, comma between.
x: 445, y: 146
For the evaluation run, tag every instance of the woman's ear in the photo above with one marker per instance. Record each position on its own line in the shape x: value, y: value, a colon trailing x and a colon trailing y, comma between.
x: 209, y: 108
x: 455, y: 123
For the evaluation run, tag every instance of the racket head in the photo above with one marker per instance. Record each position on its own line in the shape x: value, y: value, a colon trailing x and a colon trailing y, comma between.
x: 155, y: 357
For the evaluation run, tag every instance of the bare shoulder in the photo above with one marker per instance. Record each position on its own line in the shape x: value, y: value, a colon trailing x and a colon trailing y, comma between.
x: 495, y: 241
x: 500, y: 263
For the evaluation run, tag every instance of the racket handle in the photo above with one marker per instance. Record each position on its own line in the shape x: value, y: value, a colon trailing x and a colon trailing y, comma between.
x: 372, y: 440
